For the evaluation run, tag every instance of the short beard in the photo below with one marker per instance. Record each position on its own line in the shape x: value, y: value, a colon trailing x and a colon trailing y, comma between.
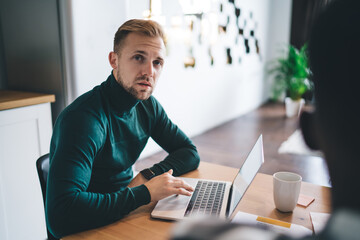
x: 132, y: 91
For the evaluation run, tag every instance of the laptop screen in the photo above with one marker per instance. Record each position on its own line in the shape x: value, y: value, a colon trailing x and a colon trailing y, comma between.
x: 246, y: 174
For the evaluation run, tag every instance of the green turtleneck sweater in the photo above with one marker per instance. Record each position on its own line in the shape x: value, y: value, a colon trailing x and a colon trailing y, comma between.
x: 95, y: 142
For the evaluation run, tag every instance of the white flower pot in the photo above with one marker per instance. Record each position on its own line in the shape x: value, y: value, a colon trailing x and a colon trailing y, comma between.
x: 292, y: 107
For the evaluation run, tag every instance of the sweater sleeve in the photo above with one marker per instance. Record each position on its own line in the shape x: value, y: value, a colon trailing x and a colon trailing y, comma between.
x: 183, y: 156
x: 70, y: 208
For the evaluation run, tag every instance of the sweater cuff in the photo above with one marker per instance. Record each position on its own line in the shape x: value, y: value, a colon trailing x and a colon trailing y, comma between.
x: 142, y: 195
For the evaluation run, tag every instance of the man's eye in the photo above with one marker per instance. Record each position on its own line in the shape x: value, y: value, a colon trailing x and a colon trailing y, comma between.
x: 138, y: 57
x: 158, y: 63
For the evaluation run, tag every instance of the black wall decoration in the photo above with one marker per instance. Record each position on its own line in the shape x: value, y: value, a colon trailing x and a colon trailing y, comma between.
x: 238, y: 24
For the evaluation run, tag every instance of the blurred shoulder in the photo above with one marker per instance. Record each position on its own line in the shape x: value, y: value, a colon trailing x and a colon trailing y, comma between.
x: 213, y: 230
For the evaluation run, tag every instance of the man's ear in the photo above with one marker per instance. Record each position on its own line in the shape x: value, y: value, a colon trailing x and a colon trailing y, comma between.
x: 309, y: 129
x: 113, y: 60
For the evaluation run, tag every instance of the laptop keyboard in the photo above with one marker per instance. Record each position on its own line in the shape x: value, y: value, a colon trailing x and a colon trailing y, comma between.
x: 207, y: 199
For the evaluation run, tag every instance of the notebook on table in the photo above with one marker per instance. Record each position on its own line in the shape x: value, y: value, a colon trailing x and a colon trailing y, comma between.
x: 211, y: 197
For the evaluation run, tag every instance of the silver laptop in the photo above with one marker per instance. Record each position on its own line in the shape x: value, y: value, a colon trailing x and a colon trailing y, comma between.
x: 212, y: 198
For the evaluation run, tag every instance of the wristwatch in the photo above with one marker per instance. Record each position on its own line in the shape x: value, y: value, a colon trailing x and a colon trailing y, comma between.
x: 147, y: 173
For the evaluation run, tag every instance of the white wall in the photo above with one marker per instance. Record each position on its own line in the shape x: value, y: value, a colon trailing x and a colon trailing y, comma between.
x: 94, y: 24
x: 198, y: 98
x: 278, y: 31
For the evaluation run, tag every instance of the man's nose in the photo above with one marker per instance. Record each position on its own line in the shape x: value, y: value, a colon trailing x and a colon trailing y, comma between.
x: 148, y: 69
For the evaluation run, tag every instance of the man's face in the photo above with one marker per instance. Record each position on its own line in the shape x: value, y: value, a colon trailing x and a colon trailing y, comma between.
x: 138, y: 65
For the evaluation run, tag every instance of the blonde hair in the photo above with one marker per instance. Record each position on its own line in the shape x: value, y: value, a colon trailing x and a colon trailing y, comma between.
x: 147, y: 27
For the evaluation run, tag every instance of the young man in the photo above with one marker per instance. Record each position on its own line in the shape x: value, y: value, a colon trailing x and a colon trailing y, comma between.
x: 98, y: 138
x: 334, y: 127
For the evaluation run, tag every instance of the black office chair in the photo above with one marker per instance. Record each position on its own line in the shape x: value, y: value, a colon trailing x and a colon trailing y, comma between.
x: 42, y: 166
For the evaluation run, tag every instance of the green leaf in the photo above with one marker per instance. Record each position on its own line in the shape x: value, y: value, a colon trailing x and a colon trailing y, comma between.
x: 291, y: 73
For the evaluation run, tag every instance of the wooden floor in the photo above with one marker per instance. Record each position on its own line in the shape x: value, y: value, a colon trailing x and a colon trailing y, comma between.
x: 230, y: 143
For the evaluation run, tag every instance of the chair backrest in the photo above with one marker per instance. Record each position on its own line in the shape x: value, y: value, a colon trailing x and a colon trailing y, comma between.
x: 42, y: 166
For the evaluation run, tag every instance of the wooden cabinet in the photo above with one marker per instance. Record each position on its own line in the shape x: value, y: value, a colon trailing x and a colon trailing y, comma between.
x: 25, y: 133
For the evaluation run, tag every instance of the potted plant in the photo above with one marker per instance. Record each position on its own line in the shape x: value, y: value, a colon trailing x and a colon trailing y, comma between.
x: 291, y: 77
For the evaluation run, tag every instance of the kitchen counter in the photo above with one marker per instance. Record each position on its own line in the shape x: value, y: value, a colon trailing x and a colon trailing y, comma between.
x: 25, y: 135
x: 13, y: 99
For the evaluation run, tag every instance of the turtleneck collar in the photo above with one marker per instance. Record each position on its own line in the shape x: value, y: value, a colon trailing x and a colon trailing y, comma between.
x: 120, y: 100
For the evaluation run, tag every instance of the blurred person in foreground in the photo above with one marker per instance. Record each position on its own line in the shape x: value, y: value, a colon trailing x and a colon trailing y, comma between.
x: 333, y: 128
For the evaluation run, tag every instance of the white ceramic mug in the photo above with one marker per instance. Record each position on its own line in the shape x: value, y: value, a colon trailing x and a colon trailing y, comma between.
x: 286, y: 190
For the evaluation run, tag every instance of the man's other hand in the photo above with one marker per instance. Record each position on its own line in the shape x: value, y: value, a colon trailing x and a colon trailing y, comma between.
x: 166, y: 185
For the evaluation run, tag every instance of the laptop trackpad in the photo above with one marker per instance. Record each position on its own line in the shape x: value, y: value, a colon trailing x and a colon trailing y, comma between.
x: 173, y: 202
x: 172, y: 207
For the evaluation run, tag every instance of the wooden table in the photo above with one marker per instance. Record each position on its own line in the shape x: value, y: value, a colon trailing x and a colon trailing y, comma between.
x: 257, y: 200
